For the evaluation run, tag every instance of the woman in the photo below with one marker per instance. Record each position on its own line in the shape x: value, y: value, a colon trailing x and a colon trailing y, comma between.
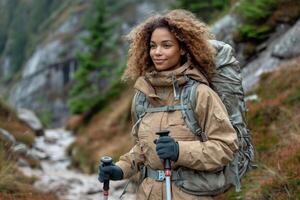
x: 166, y: 51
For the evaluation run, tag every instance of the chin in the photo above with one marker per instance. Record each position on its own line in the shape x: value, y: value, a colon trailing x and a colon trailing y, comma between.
x: 166, y: 68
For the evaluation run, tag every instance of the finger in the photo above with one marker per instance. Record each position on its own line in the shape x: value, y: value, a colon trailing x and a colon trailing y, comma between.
x: 160, y: 147
x: 163, y: 156
x: 104, y: 177
x: 161, y: 152
x: 165, y: 140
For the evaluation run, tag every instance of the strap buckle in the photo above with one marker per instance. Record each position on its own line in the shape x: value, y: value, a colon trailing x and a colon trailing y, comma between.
x: 160, y: 175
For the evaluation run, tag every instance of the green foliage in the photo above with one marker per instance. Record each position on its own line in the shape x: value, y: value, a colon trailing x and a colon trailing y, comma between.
x: 95, y: 67
x: 254, y: 32
x: 257, y: 10
x: 254, y: 13
x: 206, y: 10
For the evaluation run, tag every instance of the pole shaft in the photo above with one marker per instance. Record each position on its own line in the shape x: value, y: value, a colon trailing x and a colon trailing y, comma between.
x: 168, y: 188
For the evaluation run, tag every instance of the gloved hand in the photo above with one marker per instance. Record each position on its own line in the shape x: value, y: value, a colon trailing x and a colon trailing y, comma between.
x: 110, y: 172
x: 167, y: 148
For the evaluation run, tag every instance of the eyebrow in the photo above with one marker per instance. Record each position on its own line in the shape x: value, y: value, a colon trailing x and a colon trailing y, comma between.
x: 163, y: 41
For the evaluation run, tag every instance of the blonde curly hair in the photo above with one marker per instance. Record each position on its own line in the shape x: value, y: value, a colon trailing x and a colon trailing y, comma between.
x: 192, y: 35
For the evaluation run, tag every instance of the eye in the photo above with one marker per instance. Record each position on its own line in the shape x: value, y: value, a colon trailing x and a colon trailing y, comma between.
x: 152, y: 46
x: 166, y: 46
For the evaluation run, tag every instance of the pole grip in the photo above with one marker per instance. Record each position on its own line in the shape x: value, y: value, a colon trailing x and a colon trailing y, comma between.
x: 167, y: 168
x: 106, y: 161
x: 167, y: 164
x: 163, y: 133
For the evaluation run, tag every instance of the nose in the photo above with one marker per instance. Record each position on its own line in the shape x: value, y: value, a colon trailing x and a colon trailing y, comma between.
x: 157, y: 50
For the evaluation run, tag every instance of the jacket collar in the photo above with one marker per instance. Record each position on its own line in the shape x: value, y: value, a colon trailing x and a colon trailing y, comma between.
x: 151, y: 80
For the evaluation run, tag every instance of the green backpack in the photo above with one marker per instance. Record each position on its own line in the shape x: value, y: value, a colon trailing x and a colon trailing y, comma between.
x: 227, y: 83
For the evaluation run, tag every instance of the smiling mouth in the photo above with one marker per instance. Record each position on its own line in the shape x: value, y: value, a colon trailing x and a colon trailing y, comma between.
x: 158, y: 61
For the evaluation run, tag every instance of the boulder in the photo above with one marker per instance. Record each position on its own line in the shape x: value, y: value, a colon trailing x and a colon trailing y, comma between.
x: 31, y: 120
x: 7, y: 137
x: 225, y: 27
x: 21, y: 148
x: 289, y: 45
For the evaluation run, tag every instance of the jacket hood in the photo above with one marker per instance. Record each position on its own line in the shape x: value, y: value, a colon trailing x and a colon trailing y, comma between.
x: 147, y: 83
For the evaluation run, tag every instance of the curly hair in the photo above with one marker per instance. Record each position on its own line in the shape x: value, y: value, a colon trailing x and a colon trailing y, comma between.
x: 192, y: 35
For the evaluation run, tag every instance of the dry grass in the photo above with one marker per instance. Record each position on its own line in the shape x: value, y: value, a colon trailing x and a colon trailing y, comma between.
x: 10, y: 122
x: 13, y: 184
x: 108, y: 133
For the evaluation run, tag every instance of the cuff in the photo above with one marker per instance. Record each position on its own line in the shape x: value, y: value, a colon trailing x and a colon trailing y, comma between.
x: 126, y: 169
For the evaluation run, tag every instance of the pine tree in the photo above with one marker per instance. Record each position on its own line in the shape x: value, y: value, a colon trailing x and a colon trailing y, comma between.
x: 94, y: 65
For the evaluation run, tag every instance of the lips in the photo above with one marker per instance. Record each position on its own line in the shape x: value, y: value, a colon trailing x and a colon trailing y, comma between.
x: 158, y: 61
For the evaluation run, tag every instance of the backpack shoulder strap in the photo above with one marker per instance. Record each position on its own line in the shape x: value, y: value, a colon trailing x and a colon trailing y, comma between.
x: 138, y: 110
x: 188, y: 98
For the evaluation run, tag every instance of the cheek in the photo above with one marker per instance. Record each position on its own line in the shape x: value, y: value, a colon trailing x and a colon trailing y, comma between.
x: 151, y: 54
x: 175, y: 55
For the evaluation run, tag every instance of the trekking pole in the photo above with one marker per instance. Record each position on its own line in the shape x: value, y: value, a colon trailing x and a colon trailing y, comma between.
x: 106, y: 160
x: 167, y: 167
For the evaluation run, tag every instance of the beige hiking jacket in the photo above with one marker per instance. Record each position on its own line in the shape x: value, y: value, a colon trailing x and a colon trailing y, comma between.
x: 194, y: 154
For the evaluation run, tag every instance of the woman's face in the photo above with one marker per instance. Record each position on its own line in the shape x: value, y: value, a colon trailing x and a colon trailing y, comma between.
x: 165, y: 51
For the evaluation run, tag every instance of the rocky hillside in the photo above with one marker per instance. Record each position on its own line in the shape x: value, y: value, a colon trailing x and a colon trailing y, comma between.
x: 43, y: 79
x: 15, y: 135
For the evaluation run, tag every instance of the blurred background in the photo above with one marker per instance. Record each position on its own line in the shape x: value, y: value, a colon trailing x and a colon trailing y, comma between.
x: 63, y: 106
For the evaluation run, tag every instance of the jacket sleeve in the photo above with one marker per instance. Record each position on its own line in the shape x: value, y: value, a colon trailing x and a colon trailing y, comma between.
x: 131, y: 161
x: 222, y: 138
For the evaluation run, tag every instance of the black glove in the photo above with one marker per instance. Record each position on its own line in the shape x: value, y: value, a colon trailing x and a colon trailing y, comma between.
x: 110, y: 172
x: 167, y: 148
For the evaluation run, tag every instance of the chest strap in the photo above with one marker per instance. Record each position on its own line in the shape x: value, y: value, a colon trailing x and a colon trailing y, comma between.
x: 167, y: 108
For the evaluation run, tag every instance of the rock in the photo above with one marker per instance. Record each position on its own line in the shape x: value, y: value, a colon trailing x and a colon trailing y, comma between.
x: 289, y: 45
x: 22, y: 163
x: 37, y: 155
x: 6, y: 136
x: 21, y: 148
x: 31, y: 120
x: 253, y: 97
x: 280, y: 45
x: 225, y: 27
